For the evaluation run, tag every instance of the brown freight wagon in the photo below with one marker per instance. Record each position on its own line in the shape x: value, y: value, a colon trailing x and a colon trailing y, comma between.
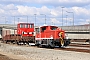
x: 16, y: 38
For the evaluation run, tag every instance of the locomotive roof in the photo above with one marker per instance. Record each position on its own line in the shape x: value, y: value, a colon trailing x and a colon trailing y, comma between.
x: 49, y: 26
x: 25, y: 23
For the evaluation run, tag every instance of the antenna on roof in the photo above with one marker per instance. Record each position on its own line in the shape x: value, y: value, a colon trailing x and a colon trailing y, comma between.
x: 45, y: 25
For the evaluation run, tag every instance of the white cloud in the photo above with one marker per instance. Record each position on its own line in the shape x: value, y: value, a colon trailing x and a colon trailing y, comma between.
x: 1, y: 11
x: 54, y: 20
x: 54, y: 12
x: 66, y: 3
x: 81, y: 12
x: 44, y: 10
x: 25, y: 10
x: 88, y: 21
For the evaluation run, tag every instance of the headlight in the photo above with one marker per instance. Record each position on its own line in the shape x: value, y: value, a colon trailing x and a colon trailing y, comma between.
x: 24, y: 32
x: 30, y: 32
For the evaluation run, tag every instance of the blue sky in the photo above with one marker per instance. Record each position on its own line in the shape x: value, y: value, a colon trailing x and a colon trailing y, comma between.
x: 24, y: 10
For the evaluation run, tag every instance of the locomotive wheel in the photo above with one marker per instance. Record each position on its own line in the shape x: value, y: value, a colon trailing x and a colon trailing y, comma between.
x: 5, y: 42
x: 59, y: 46
x: 66, y: 42
x: 51, y: 44
x: 51, y: 47
x: 18, y: 43
x: 40, y: 46
x: 89, y: 41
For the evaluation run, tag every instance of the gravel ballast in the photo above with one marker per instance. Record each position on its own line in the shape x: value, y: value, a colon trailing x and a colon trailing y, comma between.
x: 33, y: 53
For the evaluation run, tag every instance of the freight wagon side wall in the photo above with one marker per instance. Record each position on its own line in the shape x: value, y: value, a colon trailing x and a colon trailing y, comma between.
x: 5, y: 32
x: 8, y: 31
x: 13, y: 31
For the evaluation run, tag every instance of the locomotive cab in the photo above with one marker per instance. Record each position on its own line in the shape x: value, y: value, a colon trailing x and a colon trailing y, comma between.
x: 50, y: 36
x: 25, y: 29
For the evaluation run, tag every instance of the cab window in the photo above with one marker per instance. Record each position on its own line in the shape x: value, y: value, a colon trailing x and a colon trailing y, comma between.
x: 43, y: 28
x: 21, y: 26
x: 31, y: 26
x: 26, y: 26
x: 53, y: 28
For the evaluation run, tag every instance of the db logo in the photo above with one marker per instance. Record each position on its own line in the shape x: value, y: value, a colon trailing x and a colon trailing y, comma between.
x: 60, y: 34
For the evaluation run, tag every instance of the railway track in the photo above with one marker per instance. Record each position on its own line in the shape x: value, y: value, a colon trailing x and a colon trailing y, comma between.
x: 80, y: 45
x: 77, y: 47
x: 72, y: 47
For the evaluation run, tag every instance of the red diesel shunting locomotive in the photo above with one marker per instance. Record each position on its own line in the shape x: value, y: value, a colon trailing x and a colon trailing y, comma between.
x: 51, y: 36
x: 24, y: 34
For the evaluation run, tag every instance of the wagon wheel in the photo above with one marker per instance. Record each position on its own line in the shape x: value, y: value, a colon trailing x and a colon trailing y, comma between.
x: 89, y: 41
